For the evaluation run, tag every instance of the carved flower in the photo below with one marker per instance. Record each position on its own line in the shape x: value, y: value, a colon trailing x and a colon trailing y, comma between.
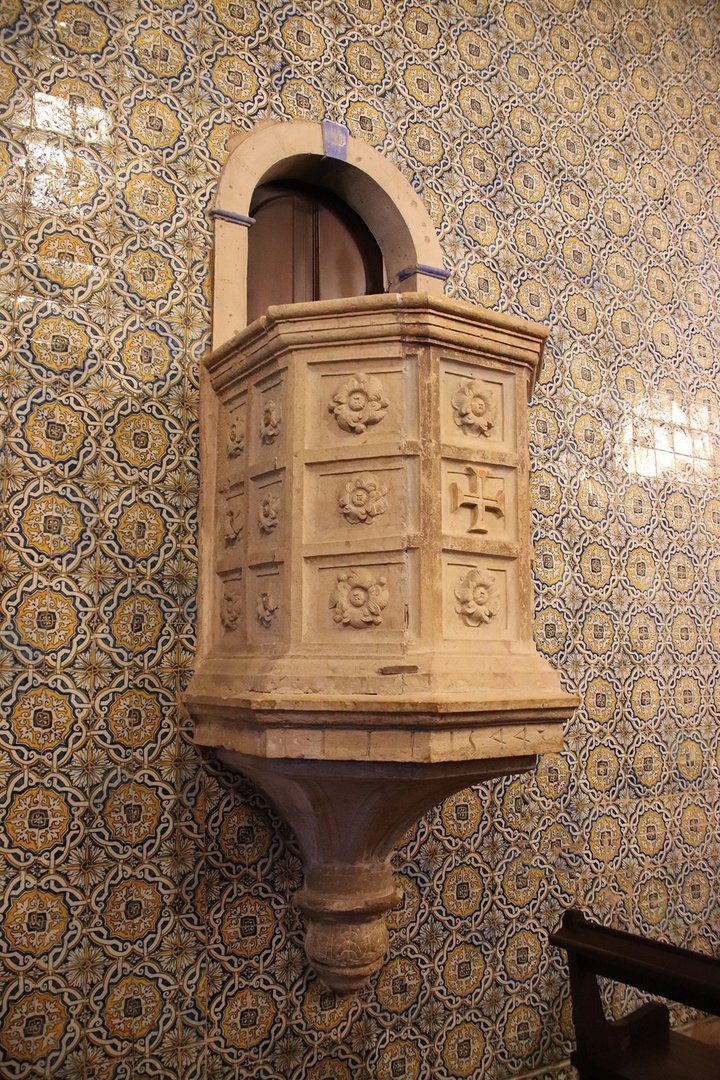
x: 474, y: 408
x: 270, y: 420
x: 358, y: 598
x: 269, y: 513
x: 266, y: 608
x: 231, y: 610
x: 236, y: 438
x: 233, y: 525
x: 477, y: 598
x: 363, y: 499
x: 359, y: 404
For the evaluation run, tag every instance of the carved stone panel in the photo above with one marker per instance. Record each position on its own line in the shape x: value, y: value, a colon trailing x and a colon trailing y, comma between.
x: 391, y: 476
x: 235, y: 442
x: 359, y: 403
x: 393, y: 469
x: 267, y: 513
x: 359, y: 603
x: 233, y: 519
x: 269, y: 419
x: 231, y: 529
x: 477, y: 408
x: 232, y: 442
x: 479, y: 502
x: 231, y: 620
x: 267, y: 426
x: 363, y: 402
x: 365, y: 500
x: 480, y: 601
x: 477, y: 597
x: 267, y: 604
x: 359, y: 598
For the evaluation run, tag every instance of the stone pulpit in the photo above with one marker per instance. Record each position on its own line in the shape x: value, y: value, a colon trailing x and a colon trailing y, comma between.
x: 367, y: 645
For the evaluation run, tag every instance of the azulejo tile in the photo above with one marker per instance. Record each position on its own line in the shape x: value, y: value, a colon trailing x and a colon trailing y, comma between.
x: 569, y: 161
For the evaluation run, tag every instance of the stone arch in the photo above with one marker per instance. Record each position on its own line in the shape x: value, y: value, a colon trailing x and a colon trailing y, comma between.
x: 355, y: 172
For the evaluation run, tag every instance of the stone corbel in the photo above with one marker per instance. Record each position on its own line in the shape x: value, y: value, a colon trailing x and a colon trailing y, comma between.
x: 348, y: 817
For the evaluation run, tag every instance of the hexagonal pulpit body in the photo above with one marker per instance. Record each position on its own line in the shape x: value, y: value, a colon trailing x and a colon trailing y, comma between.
x: 366, y: 605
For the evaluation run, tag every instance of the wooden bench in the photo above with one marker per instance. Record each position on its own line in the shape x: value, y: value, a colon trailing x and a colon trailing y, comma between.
x: 641, y: 1046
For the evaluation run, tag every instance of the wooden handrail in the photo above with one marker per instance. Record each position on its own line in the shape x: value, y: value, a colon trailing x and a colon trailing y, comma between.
x: 666, y: 970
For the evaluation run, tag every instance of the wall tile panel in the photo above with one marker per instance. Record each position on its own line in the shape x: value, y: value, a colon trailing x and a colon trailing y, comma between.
x: 568, y: 154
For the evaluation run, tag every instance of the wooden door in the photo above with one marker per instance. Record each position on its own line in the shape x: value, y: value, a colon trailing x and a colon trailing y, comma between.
x: 307, y: 245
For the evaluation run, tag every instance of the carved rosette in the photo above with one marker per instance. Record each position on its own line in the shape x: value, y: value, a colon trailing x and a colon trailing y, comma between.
x: 269, y: 513
x: 474, y: 409
x: 359, y: 598
x: 359, y: 404
x: 270, y: 421
x: 478, y: 600
x: 363, y: 499
x: 266, y: 609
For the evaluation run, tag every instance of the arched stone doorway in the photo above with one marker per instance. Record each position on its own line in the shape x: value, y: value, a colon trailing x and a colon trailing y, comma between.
x: 326, y: 156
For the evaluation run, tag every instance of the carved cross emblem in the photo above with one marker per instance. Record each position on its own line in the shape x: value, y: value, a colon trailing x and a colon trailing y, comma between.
x: 476, y: 500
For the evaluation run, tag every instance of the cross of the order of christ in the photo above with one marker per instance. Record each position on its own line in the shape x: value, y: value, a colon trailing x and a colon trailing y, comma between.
x: 476, y: 500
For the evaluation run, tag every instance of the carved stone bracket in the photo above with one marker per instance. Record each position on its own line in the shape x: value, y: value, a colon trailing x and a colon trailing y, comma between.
x: 347, y: 817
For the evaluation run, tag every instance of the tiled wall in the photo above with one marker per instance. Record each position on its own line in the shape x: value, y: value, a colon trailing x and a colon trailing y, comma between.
x: 568, y: 153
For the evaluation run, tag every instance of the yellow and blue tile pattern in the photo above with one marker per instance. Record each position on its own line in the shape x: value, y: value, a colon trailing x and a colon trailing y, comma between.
x: 568, y: 152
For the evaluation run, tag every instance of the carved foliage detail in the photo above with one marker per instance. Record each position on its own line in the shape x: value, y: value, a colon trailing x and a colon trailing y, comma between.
x: 266, y: 608
x: 235, y: 437
x: 269, y: 513
x: 359, y: 598
x: 270, y: 420
x: 233, y: 526
x: 474, y: 408
x: 231, y: 608
x: 338, y: 946
x: 363, y: 499
x: 359, y: 404
x: 478, y: 600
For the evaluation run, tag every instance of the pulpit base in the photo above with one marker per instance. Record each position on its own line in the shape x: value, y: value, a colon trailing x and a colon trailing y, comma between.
x: 347, y: 817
